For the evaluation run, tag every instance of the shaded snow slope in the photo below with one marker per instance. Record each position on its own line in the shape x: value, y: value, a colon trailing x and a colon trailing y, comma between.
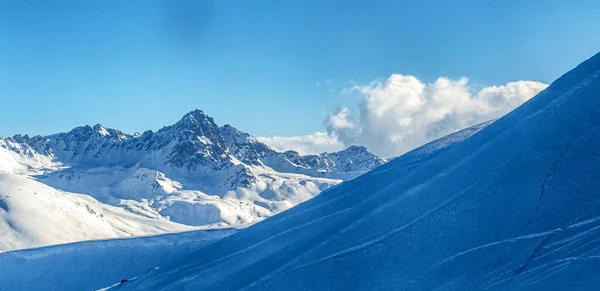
x: 515, y: 206
x: 105, y: 263
x: 33, y: 214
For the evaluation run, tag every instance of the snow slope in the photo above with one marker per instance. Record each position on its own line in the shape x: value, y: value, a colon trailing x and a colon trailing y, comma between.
x: 33, y: 214
x: 105, y: 263
x: 513, y: 207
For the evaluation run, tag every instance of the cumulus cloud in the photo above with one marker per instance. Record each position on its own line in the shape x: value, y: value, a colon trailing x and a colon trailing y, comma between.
x: 316, y: 143
x: 402, y: 113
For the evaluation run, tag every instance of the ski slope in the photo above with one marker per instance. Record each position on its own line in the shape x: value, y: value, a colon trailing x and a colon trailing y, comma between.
x: 513, y: 207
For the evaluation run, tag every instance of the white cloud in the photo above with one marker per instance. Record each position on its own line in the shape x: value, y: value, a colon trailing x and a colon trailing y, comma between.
x: 402, y: 113
x: 341, y: 119
x: 308, y: 144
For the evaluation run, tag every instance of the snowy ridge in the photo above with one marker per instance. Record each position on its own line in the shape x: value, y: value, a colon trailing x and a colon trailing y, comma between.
x: 197, y: 146
x: 344, y: 164
x: 513, y: 207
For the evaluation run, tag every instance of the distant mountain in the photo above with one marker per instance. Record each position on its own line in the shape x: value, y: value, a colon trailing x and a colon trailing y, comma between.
x: 192, y: 172
x: 193, y: 146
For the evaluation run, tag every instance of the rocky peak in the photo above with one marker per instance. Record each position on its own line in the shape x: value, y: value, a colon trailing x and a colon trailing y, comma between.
x: 229, y: 131
x: 244, y: 146
x: 293, y: 156
x: 110, y: 133
x: 19, y: 138
x: 354, y: 158
x: 356, y: 149
x: 233, y: 135
x: 87, y: 132
x: 198, y: 123
x: 197, y: 142
x: 80, y: 133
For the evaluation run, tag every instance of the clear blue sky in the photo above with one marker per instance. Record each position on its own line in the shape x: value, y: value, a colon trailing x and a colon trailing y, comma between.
x: 136, y: 65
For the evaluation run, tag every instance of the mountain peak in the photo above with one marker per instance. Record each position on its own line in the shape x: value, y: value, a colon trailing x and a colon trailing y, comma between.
x: 101, y: 130
x: 19, y: 137
x: 196, y: 120
x: 229, y: 127
x: 196, y: 114
x: 81, y: 132
x: 357, y: 148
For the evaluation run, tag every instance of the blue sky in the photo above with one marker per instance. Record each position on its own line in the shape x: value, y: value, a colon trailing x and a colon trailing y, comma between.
x: 268, y: 67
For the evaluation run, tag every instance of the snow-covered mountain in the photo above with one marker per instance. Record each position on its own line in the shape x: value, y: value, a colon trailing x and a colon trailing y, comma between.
x: 513, y: 207
x: 193, y: 173
x: 192, y: 149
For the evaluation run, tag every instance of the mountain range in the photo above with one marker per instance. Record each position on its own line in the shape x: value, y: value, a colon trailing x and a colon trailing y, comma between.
x: 192, y: 174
